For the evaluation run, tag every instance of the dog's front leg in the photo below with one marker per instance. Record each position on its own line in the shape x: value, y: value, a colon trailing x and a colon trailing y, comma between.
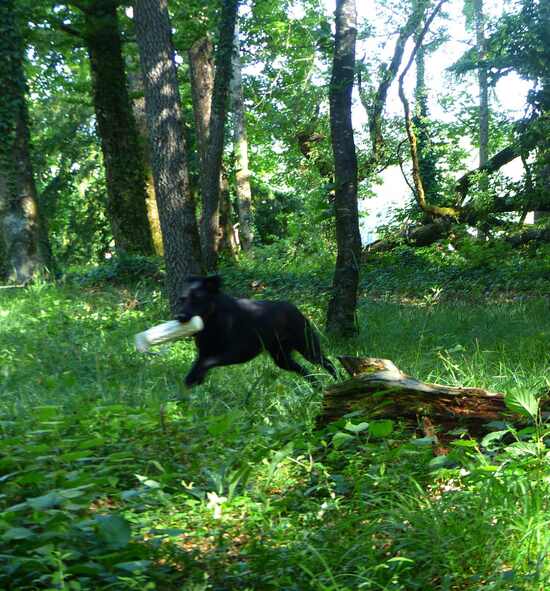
x: 197, y: 372
x: 201, y: 366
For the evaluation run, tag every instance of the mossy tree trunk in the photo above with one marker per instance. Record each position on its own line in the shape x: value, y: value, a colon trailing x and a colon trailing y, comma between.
x: 166, y: 144
x: 421, y: 122
x: 26, y: 250
x: 342, y: 306
x: 240, y: 144
x: 379, y: 389
x: 482, y: 82
x: 138, y: 108
x: 124, y: 168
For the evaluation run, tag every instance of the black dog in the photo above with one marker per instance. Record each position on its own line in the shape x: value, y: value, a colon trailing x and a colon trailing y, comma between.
x: 237, y: 330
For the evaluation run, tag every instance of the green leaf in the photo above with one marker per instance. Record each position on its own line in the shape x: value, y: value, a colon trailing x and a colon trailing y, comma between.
x: 114, y: 530
x: 89, y: 443
x: 356, y: 428
x: 148, y: 482
x: 134, y: 565
x: 46, y: 412
x: 520, y: 449
x: 52, y: 499
x: 523, y: 403
x: 73, y: 456
x: 423, y: 441
x: 381, y: 429
x: 18, y: 533
x: 494, y: 436
x: 340, y: 439
x: 441, y: 462
x: 278, y: 457
x: 470, y: 443
x: 221, y: 424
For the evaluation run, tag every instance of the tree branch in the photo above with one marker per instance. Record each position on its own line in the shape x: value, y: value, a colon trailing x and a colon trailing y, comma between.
x: 82, y: 5
x: 70, y: 30
x: 420, y: 195
x: 375, y: 111
x: 495, y: 163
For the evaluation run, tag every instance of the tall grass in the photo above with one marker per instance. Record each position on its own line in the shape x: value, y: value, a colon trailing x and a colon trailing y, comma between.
x: 228, y: 485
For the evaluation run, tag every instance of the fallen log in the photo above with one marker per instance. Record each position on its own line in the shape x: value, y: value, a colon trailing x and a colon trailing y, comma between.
x: 529, y: 235
x: 423, y: 235
x: 379, y: 389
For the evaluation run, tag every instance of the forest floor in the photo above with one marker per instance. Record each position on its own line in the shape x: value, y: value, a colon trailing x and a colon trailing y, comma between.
x: 114, y: 476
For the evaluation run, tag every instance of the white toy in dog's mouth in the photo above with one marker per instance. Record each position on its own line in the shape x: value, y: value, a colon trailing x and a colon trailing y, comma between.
x: 167, y: 331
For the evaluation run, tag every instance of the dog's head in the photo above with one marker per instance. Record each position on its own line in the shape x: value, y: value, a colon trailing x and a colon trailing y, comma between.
x: 198, y: 297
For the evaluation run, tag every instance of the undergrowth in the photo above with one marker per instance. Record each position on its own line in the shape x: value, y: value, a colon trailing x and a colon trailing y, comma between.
x: 116, y: 477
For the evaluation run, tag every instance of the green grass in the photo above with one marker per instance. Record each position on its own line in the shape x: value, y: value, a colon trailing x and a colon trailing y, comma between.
x: 116, y: 477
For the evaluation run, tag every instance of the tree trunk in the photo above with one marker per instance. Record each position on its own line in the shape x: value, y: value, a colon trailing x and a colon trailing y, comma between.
x: 240, y: 143
x: 166, y: 144
x: 138, y: 108
x: 201, y: 70
x: 483, y: 137
x: 482, y: 81
x: 228, y: 240
x: 26, y: 247
x: 426, y: 206
x: 342, y: 306
x: 124, y: 174
x: 523, y: 145
x: 376, y: 109
x: 211, y: 186
x: 423, y: 235
x: 426, y: 158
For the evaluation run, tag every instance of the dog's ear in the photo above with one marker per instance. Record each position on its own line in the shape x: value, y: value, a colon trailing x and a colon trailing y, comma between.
x: 193, y: 279
x: 190, y: 282
x: 213, y: 283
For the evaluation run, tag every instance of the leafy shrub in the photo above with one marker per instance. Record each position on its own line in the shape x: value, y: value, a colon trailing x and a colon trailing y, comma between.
x: 120, y: 269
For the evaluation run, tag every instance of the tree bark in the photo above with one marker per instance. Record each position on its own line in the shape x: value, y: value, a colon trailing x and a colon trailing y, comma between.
x: 124, y: 173
x: 426, y: 158
x: 26, y: 247
x: 201, y: 70
x: 166, y: 144
x: 228, y: 240
x: 138, y: 107
x: 211, y: 182
x: 423, y: 235
x: 342, y: 306
x: 483, y: 133
x: 529, y: 235
x: 482, y: 81
x: 240, y: 143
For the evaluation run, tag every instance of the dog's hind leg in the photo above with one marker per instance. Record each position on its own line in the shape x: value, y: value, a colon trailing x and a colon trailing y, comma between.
x: 310, y: 349
x: 283, y: 359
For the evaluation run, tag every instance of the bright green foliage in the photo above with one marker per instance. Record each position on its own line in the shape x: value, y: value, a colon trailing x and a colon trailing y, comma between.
x: 115, y: 477
x: 11, y: 74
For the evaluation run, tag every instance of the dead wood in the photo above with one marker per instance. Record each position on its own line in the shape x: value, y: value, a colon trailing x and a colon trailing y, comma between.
x: 379, y: 389
x: 423, y: 235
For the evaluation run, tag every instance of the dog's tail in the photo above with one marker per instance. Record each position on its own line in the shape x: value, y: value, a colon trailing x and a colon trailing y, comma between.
x: 313, y: 352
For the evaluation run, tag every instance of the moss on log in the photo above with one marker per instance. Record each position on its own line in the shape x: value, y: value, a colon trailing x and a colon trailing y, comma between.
x: 378, y: 388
